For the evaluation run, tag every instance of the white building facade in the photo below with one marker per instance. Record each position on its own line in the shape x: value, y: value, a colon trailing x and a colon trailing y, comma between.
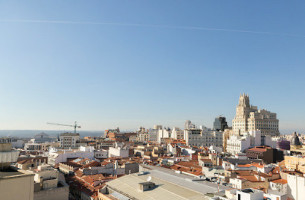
x: 203, y: 137
x: 120, y: 150
x: 239, y: 143
x: 57, y: 156
x: 68, y: 140
x: 296, y: 186
x: 177, y: 134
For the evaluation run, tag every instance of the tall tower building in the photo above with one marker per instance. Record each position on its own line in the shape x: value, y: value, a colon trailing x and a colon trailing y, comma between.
x: 220, y: 124
x: 249, y: 118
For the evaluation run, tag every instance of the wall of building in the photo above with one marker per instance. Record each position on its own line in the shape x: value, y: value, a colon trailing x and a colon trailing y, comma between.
x: 48, y: 184
x: 47, y: 174
x: 295, y: 187
x: 259, y: 195
x: 18, y: 144
x: 5, y: 147
x: 60, y: 193
x: 55, y: 158
x: 101, y: 154
x: 118, y: 152
x: 201, y: 137
x: 17, y: 188
x: 131, y: 168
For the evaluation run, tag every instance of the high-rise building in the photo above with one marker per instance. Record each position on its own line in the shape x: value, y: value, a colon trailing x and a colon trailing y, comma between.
x: 68, y: 140
x: 220, y: 124
x: 249, y: 118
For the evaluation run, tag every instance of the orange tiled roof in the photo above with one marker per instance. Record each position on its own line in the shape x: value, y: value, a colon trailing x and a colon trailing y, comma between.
x: 260, y: 149
x: 92, y: 164
x: 258, y: 165
x: 243, y: 172
x: 276, y: 170
x: 251, y: 178
x: 263, y: 174
x: 280, y: 181
x: 206, y: 160
x: 246, y: 165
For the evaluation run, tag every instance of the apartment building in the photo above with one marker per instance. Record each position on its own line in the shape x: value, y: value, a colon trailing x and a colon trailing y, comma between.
x: 239, y: 143
x: 295, y: 163
x: 203, y: 137
x: 69, y: 140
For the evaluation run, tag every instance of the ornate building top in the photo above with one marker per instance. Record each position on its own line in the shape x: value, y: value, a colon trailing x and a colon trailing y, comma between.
x: 295, y: 139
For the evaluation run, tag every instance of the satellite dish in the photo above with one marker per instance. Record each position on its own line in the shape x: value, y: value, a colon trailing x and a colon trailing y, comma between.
x: 149, y: 178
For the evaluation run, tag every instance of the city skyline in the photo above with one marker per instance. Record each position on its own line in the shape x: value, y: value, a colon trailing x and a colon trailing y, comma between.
x: 138, y: 64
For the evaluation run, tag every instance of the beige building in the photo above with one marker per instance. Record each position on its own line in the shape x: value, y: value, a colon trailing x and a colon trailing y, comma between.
x: 14, y: 184
x: 47, y: 185
x: 295, y: 163
x: 226, y: 135
x: 249, y: 118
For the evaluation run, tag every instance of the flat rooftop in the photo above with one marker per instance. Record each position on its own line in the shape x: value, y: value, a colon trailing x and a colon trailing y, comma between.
x: 184, y: 180
x: 4, y: 174
x: 10, y: 173
x: 129, y: 186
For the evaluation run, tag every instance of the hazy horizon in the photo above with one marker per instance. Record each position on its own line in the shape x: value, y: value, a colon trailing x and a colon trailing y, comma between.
x: 31, y: 133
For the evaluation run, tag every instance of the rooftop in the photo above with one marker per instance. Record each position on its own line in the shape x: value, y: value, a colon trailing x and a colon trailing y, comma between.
x: 260, y: 148
x: 69, y: 134
x: 165, y: 189
x: 12, y: 173
x: 280, y: 181
x: 248, y: 191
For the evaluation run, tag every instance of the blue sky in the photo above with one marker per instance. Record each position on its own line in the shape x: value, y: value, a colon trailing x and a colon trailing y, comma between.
x: 140, y: 63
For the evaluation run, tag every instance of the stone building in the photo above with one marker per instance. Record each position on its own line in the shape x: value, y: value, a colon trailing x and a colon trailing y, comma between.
x: 203, y: 137
x: 249, y: 118
x: 295, y: 163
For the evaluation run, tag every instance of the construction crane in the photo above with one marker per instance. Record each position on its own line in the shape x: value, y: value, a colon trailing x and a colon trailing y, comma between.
x: 75, y: 125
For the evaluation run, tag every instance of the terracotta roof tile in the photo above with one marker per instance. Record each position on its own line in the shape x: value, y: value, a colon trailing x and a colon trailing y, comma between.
x: 251, y: 178
x: 280, y: 181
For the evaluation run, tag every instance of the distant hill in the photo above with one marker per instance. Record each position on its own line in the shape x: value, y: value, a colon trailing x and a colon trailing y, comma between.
x: 52, y: 133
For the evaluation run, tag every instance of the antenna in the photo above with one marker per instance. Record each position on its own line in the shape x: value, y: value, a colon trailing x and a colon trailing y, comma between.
x: 148, y: 178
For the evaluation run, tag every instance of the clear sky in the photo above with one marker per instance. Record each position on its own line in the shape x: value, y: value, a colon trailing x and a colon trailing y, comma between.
x: 140, y: 63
